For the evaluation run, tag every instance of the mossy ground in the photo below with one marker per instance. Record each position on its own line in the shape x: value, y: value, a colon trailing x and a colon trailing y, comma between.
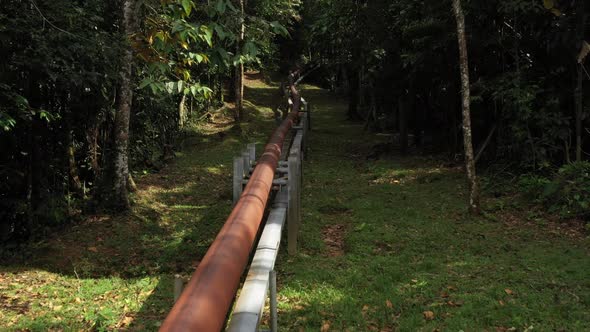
x: 385, y: 245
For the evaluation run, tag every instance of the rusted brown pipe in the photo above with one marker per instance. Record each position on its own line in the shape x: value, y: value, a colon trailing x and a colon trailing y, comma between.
x: 206, y: 300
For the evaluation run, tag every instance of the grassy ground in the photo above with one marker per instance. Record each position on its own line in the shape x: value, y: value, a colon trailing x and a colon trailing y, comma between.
x: 385, y: 245
x: 111, y: 273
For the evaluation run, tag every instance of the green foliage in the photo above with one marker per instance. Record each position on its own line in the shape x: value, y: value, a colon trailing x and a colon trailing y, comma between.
x: 60, y: 69
x: 521, y: 60
x: 533, y: 186
x: 6, y: 122
x: 569, y: 192
x: 59, y: 89
x: 183, y: 44
x: 178, y: 47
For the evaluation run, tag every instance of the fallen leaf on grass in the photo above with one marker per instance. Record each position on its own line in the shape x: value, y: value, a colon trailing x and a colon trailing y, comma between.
x: 389, y: 304
x: 501, y: 303
x: 372, y: 326
x: 365, y: 310
x: 325, y: 327
x: 93, y: 249
x: 126, y: 321
x: 505, y: 329
x: 454, y: 304
x: 298, y: 307
x: 509, y: 291
x: 327, y: 314
x: 428, y: 315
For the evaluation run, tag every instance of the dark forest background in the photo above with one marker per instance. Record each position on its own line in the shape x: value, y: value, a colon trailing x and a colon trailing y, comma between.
x: 63, y: 78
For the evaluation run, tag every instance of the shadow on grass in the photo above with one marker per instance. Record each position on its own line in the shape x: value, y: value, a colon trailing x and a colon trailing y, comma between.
x: 176, y: 215
x: 134, y: 256
x: 413, y: 259
x: 408, y: 247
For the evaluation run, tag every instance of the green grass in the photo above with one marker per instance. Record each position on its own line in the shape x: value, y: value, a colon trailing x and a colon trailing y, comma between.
x: 409, y: 247
x: 117, y: 272
x: 381, y: 243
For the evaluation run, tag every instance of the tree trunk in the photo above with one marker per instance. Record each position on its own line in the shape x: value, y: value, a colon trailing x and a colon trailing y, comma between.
x: 579, y: 92
x: 182, y: 113
x: 403, y: 125
x: 371, y: 122
x: 579, y: 98
x: 353, y: 93
x: 115, y: 193
x: 239, y: 76
x: 92, y: 136
x: 74, y: 178
x: 453, y: 123
x: 75, y: 184
x: 467, y: 140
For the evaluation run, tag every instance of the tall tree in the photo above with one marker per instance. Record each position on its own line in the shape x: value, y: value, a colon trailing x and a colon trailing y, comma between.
x: 467, y: 139
x: 115, y: 186
x: 239, y: 70
x: 579, y: 91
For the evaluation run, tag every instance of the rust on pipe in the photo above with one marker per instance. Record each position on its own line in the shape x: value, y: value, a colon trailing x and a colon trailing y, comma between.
x: 206, y: 300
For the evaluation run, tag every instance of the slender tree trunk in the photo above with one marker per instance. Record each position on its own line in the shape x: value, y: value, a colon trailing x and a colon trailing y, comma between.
x: 182, y: 112
x: 72, y: 165
x: 403, y: 124
x: 239, y: 76
x: 354, y: 94
x: 115, y: 191
x: 218, y: 90
x: 70, y: 150
x: 579, y: 92
x: 411, y: 110
x: 92, y: 136
x: 579, y: 96
x: 453, y: 123
x: 467, y: 140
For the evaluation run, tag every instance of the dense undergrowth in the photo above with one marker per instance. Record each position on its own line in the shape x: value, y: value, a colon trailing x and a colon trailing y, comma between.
x: 567, y: 193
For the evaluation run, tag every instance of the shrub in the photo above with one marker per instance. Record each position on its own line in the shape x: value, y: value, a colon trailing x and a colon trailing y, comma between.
x: 533, y: 186
x: 569, y: 192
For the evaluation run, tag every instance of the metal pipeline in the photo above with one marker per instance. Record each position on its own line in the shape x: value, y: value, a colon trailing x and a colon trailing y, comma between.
x: 207, y: 298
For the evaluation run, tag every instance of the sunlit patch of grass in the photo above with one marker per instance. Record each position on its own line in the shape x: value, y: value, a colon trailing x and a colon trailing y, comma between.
x: 116, y: 273
x: 308, y: 88
x: 214, y: 170
x: 52, y: 301
x: 189, y: 207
